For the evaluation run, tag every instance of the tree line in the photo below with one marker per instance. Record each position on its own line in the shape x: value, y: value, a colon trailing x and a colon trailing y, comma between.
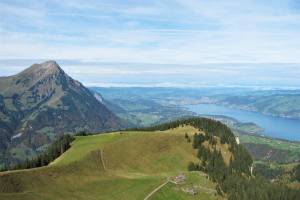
x: 58, y: 147
x: 209, y: 126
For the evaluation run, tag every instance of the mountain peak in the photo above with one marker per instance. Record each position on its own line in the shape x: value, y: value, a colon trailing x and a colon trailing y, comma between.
x: 50, y: 66
x: 46, y: 68
x: 50, y: 63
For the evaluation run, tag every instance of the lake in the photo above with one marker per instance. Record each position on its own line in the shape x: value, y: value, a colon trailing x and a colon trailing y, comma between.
x: 276, y: 127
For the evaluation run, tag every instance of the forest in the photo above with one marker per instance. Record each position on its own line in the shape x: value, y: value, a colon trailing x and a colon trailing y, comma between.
x: 58, y: 147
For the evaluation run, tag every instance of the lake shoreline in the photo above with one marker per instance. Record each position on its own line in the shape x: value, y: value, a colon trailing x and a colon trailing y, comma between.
x: 274, y: 126
x: 245, y: 109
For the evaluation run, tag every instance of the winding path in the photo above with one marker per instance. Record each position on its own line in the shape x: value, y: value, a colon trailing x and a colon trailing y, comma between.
x: 156, y: 189
x: 102, y: 159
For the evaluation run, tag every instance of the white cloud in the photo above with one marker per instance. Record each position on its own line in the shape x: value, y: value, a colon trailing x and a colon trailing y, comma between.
x: 181, y: 31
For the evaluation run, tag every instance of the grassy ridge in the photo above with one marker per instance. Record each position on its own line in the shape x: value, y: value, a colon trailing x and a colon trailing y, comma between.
x: 135, y: 163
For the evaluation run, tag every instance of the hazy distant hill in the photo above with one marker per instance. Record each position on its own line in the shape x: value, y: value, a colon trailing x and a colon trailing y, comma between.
x: 43, y: 101
x: 282, y: 105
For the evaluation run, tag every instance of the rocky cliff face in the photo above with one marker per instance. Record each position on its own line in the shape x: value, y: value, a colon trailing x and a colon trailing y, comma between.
x: 42, y: 102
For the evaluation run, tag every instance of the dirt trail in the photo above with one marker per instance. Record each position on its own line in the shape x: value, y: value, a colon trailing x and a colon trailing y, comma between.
x: 102, y: 159
x: 155, y: 190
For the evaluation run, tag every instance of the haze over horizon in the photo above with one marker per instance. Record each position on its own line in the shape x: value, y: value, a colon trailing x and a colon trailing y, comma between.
x: 158, y: 43
x: 247, y: 75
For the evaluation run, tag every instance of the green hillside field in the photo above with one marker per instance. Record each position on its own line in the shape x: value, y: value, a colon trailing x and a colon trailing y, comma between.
x: 120, y: 165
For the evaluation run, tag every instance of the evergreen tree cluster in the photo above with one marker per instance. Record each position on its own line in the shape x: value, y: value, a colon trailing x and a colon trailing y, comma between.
x: 58, y: 147
x: 209, y: 126
x: 187, y: 137
x: 235, y: 179
x: 265, y: 170
x: 239, y: 187
x: 297, y: 172
x: 81, y: 133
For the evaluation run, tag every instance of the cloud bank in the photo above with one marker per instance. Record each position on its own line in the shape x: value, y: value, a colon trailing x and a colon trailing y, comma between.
x: 159, y: 31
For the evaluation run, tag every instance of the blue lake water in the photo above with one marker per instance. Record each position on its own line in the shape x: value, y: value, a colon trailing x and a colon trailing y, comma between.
x: 277, y: 127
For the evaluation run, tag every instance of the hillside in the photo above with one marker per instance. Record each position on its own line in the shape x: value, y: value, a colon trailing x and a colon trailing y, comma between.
x: 114, y: 166
x: 42, y: 102
x: 195, y: 158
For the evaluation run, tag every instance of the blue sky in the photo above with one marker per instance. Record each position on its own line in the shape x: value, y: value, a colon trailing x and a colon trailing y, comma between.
x: 181, y: 37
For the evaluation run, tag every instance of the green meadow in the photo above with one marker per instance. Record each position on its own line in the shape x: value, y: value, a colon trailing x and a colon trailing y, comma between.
x: 119, y: 165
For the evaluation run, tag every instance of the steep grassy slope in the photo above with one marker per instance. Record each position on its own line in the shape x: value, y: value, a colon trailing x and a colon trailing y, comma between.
x: 122, y: 165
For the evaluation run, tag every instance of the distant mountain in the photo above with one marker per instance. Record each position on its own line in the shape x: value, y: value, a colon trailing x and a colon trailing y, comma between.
x: 280, y: 104
x: 42, y: 102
